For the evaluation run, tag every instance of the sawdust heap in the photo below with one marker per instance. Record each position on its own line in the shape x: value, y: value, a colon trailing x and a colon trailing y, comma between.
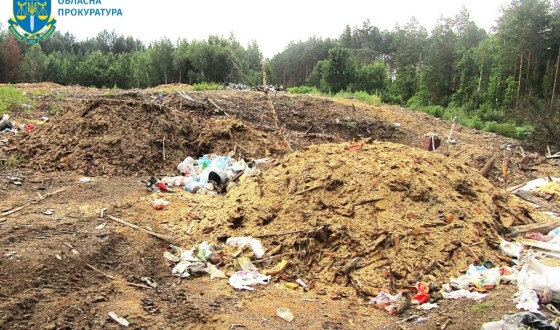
x: 117, y: 137
x: 406, y: 214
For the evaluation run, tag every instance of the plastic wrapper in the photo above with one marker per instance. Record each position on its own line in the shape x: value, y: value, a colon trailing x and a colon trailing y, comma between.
x: 243, y: 280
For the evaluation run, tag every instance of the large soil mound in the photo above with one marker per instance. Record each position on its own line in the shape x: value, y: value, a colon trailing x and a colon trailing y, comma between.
x: 130, y: 137
x: 383, y: 216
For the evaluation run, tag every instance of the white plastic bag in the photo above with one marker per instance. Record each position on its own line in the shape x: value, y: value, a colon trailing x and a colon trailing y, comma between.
x: 539, y: 277
x: 243, y: 280
x: 255, y: 244
x: 464, y: 294
x: 511, y: 249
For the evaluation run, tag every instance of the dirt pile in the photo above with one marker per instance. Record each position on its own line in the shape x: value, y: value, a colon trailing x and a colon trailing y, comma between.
x: 380, y: 217
x: 119, y: 137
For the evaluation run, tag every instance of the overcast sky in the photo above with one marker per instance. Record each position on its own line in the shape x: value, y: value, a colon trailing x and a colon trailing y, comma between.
x: 272, y: 23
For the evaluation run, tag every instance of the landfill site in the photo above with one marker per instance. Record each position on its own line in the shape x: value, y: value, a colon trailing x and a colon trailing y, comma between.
x: 169, y: 208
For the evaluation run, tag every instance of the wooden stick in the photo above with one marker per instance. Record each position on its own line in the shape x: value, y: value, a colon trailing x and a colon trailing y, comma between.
x: 452, y: 128
x: 139, y: 285
x: 488, y: 167
x: 126, y: 223
x: 444, y: 326
x: 218, y: 107
x: 287, y: 233
x: 307, y: 190
x: 17, y: 209
x: 542, y: 228
x: 309, y: 130
x: 100, y: 272
x: 541, y: 245
x: 163, y: 142
x: 513, y: 188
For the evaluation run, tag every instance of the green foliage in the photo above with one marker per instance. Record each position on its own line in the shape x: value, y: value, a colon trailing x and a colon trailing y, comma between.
x: 303, y: 90
x: 11, y: 162
x: 482, y: 307
x: 341, y: 70
x: 207, y: 87
x: 11, y: 99
x: 55, y: 109
x: 371, y: 78
x: 360, y: 96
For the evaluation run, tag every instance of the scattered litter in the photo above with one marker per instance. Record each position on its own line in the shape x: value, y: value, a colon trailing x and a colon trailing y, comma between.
x: 464, y: 294
x: 243, y: 263
x: 301, y: 283
x: 57, y: 256
x: 291, y: 285
x: 537, y: 279
x: 48, y: 212
x: 423, y: 294
x: 215, y: 272
x: 120, y: 320
x: 243, y: 280
x: 511, y: 249
x: 354, y: 147
x: 255, y: 244
x: 150, y: 282
x: 480, y: 277
x: 285, y: 314
x: 5, y: 123
x: 422, y: 319
x: 156, y: 185
x: 159, y: 204
x: 524, y: 320
x: 428, y: 306
x: 10, y: 255
x: 85, y: 180
x: 101, y: 226
x: 396, y: 304
x: 171, y: 257
x: 279, y: 268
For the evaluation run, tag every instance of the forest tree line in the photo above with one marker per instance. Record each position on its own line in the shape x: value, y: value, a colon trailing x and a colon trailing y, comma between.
x: 509, y: 74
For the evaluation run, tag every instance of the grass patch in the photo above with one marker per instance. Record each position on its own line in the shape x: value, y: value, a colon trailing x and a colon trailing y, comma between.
x: 304, y: 90
x: 39, y: 92
x: 11, y: 99
x: 482, y: 307
x: 360, y: 96
x: 208, y: 87
x: 363, y: 97
x: 54, y: 109
x: 11, y: 162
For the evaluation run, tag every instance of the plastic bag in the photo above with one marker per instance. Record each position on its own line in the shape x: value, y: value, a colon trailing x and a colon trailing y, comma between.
x: 255, y: 244
x: 528, y: 319
x: 464, y: 294
x: 159, y: 204
x: 386, y: 301
x: 243, y: 280
x: 539, y: 277
x: 511, y: 249
x: 215, y: 272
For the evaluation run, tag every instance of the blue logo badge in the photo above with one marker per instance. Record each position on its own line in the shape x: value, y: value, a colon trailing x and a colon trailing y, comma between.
x: 32, y: 20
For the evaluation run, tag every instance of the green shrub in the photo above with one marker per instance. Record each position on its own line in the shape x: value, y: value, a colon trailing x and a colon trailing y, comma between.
x: 367, y: 98
x: 11, y: 99
x: 208, y: 87
x: 303, y: 90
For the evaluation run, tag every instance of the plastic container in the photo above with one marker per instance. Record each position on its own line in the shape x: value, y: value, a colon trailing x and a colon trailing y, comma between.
x: 554, y: 232
x: 204, y: 162
x: 186, y: 165
x: 285, y: 314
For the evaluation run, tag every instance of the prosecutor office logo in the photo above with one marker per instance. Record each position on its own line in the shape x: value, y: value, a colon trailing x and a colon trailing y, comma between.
x: 32, y: 20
